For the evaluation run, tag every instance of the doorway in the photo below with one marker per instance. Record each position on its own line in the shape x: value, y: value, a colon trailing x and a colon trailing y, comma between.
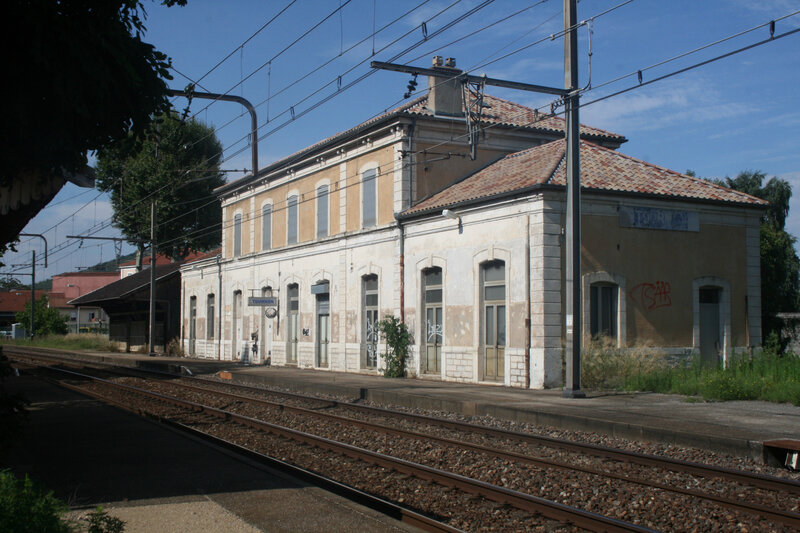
x: 322, y: 293
x: 710, y: 338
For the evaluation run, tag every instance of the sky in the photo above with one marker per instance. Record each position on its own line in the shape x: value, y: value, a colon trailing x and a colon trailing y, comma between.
x: 307, y: 71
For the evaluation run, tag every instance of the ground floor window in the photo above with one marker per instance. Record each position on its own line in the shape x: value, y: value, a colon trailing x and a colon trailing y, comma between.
x: 603, y: 298
x: 370, y: 325
x: 493, y: 294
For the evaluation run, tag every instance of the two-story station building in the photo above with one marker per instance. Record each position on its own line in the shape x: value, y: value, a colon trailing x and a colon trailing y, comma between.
x: 394, y: 217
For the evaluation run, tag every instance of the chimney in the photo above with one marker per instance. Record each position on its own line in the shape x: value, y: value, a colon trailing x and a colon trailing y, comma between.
x: 445, y: 93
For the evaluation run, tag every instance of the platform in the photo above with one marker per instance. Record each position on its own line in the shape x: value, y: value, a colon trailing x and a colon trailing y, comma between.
x: 157, y: 479
x: 737, y: 427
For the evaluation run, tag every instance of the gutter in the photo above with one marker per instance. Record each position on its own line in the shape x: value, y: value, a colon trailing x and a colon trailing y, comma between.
x: 560, y: 188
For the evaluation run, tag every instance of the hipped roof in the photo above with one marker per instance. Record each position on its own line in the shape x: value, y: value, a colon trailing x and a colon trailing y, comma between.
x: 499, y: 112
x: 602, y: 170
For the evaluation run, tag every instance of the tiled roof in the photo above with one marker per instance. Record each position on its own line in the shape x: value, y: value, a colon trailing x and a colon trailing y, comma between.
x: 125, y: 286
x: 14, y: 300
x: 162, y: 259
x: 501, y: 112
x: 601, y: 170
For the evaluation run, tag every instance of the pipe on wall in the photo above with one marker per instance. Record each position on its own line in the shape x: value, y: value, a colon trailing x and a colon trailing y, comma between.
x: 219, y: 305
x: 528, y: 301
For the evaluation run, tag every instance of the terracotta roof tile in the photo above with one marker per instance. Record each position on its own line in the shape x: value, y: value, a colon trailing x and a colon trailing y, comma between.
x: 601, y: 170
x: 501, y: 112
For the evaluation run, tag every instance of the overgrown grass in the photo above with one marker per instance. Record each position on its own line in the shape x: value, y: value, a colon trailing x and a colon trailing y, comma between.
x: 766, y: 376
x: 72, y: 341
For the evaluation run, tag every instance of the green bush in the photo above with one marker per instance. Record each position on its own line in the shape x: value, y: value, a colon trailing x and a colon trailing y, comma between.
x: 102, y: 522
x: 46, y: 320
x: 27, y: 508
x: 767, y: 375
x: 398, y: 340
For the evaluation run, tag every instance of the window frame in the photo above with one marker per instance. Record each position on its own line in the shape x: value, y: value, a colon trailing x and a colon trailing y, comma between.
x: 237, y: 234
x: 211, y: 306
x: 369, y: 178
x: 292, y: 214
x: 266, y: 226
x: 323, y: 197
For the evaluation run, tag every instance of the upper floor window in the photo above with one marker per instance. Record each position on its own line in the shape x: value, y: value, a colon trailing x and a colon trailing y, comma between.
x: 291, y: 220
x: 322, y: 211
x: 369, y: 198
x: 603, y: 299
x: 266, y: 227
x: 237, y: 235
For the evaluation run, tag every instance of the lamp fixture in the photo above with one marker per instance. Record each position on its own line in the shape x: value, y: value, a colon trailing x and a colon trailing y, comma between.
x: 446, y: 213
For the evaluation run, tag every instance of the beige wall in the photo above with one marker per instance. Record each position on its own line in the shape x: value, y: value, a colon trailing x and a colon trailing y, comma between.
x: 659, y: 267
x: 435, y: 173
x: 307, y: 206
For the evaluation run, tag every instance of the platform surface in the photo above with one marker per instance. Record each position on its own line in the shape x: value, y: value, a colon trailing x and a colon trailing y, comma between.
x: 157, y: 479
x: 737, y: 427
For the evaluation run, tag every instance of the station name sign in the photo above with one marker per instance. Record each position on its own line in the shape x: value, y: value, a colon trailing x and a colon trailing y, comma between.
x: 656, y: 218
x: 262, y: 301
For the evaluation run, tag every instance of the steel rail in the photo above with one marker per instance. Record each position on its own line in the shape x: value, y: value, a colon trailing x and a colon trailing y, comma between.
x: 757, y: 480
x: 526, y: 502
x: 786, y: 517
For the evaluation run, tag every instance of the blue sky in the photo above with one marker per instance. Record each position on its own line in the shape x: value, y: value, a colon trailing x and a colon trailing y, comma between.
x: 739, y: 113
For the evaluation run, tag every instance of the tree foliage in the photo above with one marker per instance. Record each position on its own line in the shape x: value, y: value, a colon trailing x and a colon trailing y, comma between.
x: 83, y: 78
x: 780, y: 266
x: 46, y: 320
x: 176, y: 163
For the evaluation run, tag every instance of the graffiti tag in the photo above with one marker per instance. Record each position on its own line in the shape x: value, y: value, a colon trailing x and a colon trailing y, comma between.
x: 652, y: 295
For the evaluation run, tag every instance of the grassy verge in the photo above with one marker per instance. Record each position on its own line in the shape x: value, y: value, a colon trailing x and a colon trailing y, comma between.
x: 766, y: 376
x: 84, y: 341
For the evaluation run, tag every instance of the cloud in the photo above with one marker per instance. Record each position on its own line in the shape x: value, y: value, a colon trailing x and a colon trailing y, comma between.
x: 689, y: 102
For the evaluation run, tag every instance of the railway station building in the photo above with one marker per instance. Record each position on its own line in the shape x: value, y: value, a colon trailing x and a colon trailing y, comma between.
x: 394, y: 217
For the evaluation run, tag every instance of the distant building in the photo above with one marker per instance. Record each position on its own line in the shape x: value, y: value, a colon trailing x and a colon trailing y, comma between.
x: 12, y: 301
x: 71, y: 285
x: 126, y: 302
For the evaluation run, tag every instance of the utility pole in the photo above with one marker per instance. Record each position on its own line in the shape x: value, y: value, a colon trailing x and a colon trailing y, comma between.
x: 33, y: 272
x: 152, y: 276
x: 33, y: 288
x: 573, y: 316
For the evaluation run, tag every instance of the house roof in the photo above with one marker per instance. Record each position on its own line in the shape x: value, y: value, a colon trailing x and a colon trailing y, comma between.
x: 499, y: 113
x: 14, y: 300
x: 128, y: 285
x: 601, y: 170
x: 162, y: 259
x: 87, y: 274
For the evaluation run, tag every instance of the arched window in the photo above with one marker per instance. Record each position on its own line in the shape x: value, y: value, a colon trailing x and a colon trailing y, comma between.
x: 266, y: 227
x: 432, y: 300
x: 493, y: 294
x: 291, y: 220
x: 370, y: 314
x: 210, y: 306
x: 293, y: 319
x: 322, y: 211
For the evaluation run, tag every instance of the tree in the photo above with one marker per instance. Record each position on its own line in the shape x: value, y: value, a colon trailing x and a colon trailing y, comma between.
x: 12, y: 283
x: 46, y: 321
x: 780, y: 266
x: 83, y: 78
x: 177, y: 164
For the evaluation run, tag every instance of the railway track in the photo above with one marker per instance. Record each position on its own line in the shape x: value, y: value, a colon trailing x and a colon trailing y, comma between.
x: 770, y: 493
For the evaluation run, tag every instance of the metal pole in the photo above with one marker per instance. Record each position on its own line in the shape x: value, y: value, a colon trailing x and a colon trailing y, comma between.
x: 152, y: 277
x: 231, y: 98
x: 573, y: 316
x: 33, y: 287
